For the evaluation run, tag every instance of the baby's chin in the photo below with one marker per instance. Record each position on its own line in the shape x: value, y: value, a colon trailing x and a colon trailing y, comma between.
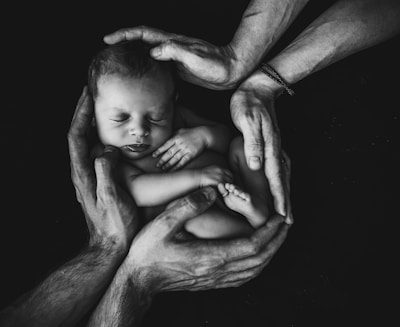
x: 136, y: 154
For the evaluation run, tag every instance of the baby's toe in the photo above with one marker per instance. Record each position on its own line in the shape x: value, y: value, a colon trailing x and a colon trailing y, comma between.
x: 222, y: 189
x: 229, y: 187
x: 245, y: 196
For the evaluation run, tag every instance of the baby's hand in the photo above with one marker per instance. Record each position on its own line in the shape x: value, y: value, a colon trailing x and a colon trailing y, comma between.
x: 185, y: 145
x: 213, y: 175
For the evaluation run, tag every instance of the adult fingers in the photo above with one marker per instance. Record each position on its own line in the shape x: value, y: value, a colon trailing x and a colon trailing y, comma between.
x: 266, y: 232
x: 81, y: 171
x: 221, y: 252
x: 287, y: 175
x: 253, y: 142
x: 181, y: 210
x: 274, y: 235
x: 106, y: 187
x: 233, y: 280
x: 249, y: 268
x: 272, y: 164
x: 174, y: 50
x: 144, y: 33
x: 82, y: 116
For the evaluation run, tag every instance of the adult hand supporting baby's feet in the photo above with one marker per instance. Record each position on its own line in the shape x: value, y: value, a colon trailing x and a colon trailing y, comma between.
x: 253, y: 113
x: 158, y: 261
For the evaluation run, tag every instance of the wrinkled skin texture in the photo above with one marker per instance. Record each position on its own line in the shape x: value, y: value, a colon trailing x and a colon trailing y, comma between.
x: 163, y: 262
x: 252, y: 104
x: 253, y: 113
x: 198, y: 62
x: 110, y: 213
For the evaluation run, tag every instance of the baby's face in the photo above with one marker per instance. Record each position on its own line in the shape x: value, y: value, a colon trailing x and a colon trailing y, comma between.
x: 135, y: 114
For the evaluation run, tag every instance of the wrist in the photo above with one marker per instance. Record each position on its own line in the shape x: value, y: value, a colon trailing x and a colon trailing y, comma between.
x: 238, y: 65
x: 258, y: 80
x: 110, y: 246
x: 140, y: 278
x: 204, y: 133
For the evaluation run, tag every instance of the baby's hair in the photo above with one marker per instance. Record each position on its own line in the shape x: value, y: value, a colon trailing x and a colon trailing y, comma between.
x: 128, y: 59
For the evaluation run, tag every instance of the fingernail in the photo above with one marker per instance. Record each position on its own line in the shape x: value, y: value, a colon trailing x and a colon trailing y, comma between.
x: 209, y: 193
x: 255, y: 163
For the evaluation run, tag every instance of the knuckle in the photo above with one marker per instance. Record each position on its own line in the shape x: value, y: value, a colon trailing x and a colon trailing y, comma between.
x: 170, y: 43
x: 253, y: 248
x: 254, y: 147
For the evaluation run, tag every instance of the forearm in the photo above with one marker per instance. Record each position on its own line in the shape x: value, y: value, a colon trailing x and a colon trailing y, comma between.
x: 125, y: 302
x: 262, y: 24
x: 347, y: 27
x: 157, y: 189
x: 68, y: 293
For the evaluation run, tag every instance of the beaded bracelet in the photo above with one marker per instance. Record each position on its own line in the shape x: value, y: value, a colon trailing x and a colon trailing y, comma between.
x: 274, y: 75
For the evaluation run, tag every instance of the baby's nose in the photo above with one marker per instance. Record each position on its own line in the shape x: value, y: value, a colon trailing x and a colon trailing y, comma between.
x: 139, y: 129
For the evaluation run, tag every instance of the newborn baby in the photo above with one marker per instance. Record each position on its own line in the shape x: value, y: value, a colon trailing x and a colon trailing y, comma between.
x: 169, y: 151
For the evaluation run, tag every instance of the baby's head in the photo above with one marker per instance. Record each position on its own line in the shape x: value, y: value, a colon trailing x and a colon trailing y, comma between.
x: 134, y: 98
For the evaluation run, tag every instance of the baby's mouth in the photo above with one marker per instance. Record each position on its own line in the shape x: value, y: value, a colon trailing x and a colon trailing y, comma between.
x: 137, y: 147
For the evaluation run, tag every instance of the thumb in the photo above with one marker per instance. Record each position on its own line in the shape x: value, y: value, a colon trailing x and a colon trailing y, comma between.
x: 253, y: 146
x: 169, y: 50
x: 181, y: 210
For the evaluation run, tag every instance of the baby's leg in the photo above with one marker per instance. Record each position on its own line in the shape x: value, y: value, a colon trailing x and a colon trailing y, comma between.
x: 255, y: 202
x: 218, y: 221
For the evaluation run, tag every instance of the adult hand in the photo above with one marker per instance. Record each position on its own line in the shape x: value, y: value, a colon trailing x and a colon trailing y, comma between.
x: 198, y: 62
x: 110, y: 213
x: 159, y: 261
x: 253, y: 113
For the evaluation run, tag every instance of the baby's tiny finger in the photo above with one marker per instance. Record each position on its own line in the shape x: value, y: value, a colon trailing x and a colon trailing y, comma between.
x: 166, y: 157
x: 163, y: 148
x: 177, y: 156
x: 184, y: 160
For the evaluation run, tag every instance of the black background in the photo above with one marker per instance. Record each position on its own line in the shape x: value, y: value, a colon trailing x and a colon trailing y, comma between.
x: 340, y: 130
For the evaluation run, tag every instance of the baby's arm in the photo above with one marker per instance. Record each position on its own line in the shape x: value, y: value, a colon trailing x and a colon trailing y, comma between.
x: 188, y: 143
x: 152, y: 189
x: 217, y: 136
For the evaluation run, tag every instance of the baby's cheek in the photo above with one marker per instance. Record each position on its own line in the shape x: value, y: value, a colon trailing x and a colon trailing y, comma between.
x: 161, y: 135
x: 110, y: 137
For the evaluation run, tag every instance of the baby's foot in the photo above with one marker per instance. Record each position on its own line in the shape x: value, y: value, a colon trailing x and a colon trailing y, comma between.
x: 238, y: 200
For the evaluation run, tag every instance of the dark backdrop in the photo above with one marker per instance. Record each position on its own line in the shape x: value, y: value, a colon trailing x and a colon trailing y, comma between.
x: 341, y: 131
